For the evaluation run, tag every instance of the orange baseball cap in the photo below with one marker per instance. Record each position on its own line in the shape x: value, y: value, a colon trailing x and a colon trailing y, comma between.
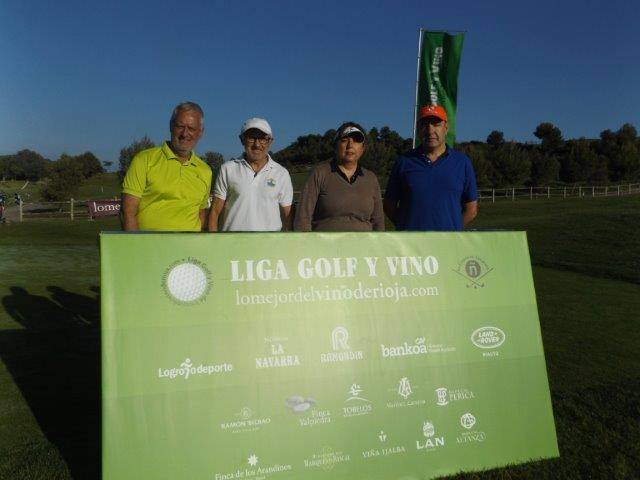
x: 433, y: 111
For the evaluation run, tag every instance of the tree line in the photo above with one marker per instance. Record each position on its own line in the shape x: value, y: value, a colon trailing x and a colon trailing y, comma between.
x: 613, y: 157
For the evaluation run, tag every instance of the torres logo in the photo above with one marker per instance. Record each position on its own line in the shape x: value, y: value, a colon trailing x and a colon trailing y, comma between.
x: 187, y: 282
x: 473, y: 269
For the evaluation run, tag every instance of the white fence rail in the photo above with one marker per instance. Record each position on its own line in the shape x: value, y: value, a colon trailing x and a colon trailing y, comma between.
x: 531, y: 193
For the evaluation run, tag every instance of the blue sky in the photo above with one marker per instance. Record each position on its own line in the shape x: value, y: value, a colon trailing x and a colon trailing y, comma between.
x: 85, y: 75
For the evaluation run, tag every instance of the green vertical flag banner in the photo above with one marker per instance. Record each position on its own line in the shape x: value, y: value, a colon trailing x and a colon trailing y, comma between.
x: 439, y: 63
x: 320, y: 356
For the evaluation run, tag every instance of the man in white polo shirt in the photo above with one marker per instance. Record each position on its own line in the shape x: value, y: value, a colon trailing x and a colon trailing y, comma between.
x: 252, y: 193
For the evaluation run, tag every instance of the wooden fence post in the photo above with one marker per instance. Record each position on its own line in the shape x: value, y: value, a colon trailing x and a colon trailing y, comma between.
x: 618, y: 190
x: 513, y: 194
x: 548, y: 192
x: 493, y: 194
x: 71, y: 203
x: 564, y: 193
x: 20, y: 211
x: 580, y: 192
x: 530, y: 193
x: 593, y: 191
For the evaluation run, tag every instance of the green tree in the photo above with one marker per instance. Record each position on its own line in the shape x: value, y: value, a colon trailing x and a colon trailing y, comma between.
x: 65, y: 178
x: 127, y: 153
x: 482, y: 167
x: 89, y: 164
x: 545, y: 168
x: 550, y: 136
x: 511, y: 165
x: 214, y: 160
x: 495, y: 138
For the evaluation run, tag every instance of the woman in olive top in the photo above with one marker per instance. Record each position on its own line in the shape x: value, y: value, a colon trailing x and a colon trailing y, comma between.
x: 340, y: 195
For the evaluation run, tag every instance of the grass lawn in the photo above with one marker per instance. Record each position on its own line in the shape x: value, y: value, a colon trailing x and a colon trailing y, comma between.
x: 586, y: 255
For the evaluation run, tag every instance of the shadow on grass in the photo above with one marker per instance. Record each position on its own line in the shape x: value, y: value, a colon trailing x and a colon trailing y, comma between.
x: 55, y: 363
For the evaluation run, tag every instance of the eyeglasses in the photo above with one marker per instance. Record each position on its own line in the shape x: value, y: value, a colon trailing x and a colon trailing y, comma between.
x: 258, y: 140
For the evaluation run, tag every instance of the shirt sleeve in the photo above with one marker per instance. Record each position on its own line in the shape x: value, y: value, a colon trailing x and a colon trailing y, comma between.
x: 220, y: 185
x: 470, y: 192
x: 207, y: 180
x: 393, y: 190
x: 286, y: 194
x: 307, y: 203
x: 377, y: 217
x: 135, y: 180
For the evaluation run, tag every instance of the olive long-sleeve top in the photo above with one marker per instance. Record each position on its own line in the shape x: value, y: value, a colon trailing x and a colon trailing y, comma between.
x: 331, y: 202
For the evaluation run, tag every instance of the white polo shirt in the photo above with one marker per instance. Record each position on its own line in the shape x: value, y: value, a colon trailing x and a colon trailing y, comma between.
x: 252, y: 200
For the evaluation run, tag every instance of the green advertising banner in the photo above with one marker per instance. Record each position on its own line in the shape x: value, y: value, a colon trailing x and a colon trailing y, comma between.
x: 439, y: 63
x: 320, y: 356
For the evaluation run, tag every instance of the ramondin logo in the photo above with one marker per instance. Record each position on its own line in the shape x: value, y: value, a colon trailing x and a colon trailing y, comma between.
x: 187, y: 282
x: 488, y: 337
x: 473, y: 269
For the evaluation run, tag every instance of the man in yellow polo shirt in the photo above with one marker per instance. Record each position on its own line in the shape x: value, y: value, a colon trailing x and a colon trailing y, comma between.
x: 167, y: 187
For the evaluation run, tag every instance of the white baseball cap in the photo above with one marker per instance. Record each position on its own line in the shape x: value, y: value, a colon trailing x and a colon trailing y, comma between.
x: 257, y: 123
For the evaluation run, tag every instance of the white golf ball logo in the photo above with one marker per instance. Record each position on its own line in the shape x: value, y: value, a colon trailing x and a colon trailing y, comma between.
x: 187, y: 282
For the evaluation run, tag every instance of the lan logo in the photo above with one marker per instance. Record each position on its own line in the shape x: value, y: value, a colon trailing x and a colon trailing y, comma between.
x: 473, y: 269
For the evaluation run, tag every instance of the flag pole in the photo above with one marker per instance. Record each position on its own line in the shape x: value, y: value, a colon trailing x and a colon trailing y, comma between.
x: 415, y: 108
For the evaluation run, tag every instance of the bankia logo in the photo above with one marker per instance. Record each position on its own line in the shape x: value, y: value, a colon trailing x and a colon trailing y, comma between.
x: 187, y: 281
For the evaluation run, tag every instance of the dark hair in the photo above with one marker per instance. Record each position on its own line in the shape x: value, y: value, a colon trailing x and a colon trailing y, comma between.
x: 345, y: 125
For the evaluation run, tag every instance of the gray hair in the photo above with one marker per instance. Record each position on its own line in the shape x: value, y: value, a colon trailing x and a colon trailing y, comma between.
x: 186, y: 106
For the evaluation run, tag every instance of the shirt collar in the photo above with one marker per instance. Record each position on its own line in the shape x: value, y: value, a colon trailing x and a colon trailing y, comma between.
x: 422, y: 153
x: 358, y: 173
x: 170, y: 155
x: 267, y: 166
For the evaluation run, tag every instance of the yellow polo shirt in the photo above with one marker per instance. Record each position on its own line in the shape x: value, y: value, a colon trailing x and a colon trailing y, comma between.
x: 171, y: 193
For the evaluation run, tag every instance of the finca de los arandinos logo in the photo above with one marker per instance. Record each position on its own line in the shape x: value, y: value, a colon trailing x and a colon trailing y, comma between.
x: 473, y: 269
x: 187, y: 281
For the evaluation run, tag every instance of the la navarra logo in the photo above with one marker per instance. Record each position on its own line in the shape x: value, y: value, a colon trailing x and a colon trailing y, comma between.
x: 187, y: 281
x: 474, y: 270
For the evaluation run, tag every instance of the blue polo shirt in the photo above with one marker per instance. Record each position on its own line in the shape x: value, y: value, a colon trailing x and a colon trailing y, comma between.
x: 431, y: 194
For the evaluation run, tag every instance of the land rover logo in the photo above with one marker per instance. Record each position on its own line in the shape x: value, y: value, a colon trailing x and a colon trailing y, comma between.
x: 488, y: 337
x: 187, y: 281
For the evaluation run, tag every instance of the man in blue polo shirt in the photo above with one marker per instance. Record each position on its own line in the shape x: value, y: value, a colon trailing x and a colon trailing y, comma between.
x: 432, y: 187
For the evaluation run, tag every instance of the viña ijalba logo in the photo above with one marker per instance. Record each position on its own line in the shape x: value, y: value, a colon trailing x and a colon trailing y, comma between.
x: 473, y: 269
x: 187, y: 281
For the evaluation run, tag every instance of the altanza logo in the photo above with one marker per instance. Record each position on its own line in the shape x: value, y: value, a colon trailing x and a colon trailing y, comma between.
x: 188, y: 369
x: 419, y: 347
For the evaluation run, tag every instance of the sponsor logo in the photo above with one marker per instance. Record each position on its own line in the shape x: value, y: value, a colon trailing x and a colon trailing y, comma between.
x: 468, y: 421
x: 356, y: 404
x: 473, y: 269
x: 383, y: 451
x: 431, y: 441
x: 326, y: 459
x: 187, y: 282
x: 271, y: 182
x: 341, y: 350
x: 252, y: 470
x: 405, y: 390
x: 246, y: 421
x: 277, y: 357
x: 488, y: 337
x: 418, y: 347
x: 300, y: 405
x: 187, y: 370
x: 444, y: 395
